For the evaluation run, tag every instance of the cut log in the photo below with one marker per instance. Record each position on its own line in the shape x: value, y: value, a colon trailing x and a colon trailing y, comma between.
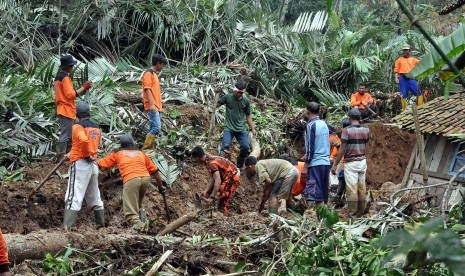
x: 35, y: 245
x: 157, y: 265
x: 256, y: 150
x: 170, y: 228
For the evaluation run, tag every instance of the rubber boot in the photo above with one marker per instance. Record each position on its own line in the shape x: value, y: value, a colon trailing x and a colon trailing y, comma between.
x: 149, y: 139
x: 69, y: 219
x: 142, y: 215
x: 99, y: 218
x: 361, y: 208
x: 60, y: 151
x: 352, y: 209
x: 243, y: 153
x: 404, y: 104
x: 420, y: 100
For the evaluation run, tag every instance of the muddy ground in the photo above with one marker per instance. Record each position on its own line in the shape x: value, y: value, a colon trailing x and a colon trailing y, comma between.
x: 388, y: 155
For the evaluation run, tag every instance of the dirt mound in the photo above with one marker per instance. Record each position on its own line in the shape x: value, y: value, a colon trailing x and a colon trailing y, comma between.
x: 388, y: 154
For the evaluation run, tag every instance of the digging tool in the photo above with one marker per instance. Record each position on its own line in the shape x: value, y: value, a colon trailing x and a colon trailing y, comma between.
x: 57, y: 166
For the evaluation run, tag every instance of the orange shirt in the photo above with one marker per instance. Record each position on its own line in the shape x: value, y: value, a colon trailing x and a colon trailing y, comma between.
x: 3, y: 253
x: 86, y: 139
x: 404, y: 65
x: 334, y: 149
x: 222, y: 165
x: 150, y: 81
x: 299, y: 185
x: 65, y: 95
x: 131, y: 163
x: 359, y: 100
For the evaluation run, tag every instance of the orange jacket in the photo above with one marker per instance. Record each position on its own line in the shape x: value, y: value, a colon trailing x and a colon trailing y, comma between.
x: 150, y: 81
x: 3, y: 255
x: 404, y: 65
x: 86, y: 139
x: 334, y: 149
x: 65, y: 95
x: 131, y: 163
x: 299, y: 185
x: 360, y: 100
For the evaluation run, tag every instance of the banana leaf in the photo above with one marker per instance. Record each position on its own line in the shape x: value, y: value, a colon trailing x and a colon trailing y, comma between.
x: 452, y: 45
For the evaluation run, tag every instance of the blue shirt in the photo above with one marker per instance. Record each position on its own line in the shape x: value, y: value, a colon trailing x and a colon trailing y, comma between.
x: 317, y: 145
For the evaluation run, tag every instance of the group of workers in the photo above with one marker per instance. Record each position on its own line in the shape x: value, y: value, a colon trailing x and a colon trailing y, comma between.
x: 280, y: 179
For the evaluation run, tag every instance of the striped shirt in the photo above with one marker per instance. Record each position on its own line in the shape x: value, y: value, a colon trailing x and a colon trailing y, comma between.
x: 317, y: 142
x: 356, y: 138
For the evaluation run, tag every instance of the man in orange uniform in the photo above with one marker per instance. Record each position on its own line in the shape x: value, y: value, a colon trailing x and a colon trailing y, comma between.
x: 363, y: 100
x: 135, y: 167
x: 83, y: 171
x: 4, y: 263
x: 151, y: 93
x: 334, y: 142
x: 65, y: 97
x: 224, y: 178
x: 402, y: 67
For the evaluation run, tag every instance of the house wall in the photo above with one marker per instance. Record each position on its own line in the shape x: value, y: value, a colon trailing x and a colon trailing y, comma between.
x: 439, y: 153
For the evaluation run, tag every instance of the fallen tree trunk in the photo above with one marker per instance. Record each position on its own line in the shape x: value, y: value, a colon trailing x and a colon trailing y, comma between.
x: 256, y: 150
x: 35, y: 245
x: 170, y: 228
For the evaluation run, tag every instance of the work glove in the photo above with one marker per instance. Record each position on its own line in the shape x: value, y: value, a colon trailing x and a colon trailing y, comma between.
x: 162, y: 190
x: 87, y: 85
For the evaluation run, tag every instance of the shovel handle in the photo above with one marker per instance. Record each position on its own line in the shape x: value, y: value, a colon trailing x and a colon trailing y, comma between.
x: 47, y: 177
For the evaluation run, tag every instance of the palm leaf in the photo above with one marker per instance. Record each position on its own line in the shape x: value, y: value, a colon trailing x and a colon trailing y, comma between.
x: 169, y: 172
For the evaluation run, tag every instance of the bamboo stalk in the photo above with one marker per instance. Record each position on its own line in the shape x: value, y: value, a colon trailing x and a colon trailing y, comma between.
x: 415, y: 23
x: 420, y: 143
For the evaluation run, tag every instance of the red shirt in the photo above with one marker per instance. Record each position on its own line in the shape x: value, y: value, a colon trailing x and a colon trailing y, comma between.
x: 3, y: 255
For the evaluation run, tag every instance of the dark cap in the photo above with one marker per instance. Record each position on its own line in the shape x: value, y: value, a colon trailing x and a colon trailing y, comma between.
x: 126, y: 139
x: 67, y: 61
x: 285, y: 156
x: 82, y: 110
x: 355, y: 114
x: 345, y: 122
x: 331, y: 128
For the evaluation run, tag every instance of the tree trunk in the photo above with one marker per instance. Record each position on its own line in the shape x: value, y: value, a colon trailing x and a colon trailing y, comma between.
x: 256, y: 150
x: 34, y: 245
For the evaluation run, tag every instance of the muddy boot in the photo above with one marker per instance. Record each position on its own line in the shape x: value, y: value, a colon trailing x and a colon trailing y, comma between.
x: 100, y: 218
x: 225, y: 154
x: 60, y: 151
x: 142, y: 215
x: 361, y: 206
x: 404, y: 104
x: 149, y: 139
x: 243, y: 153
x: 352, y: 209
x: 69, y: 219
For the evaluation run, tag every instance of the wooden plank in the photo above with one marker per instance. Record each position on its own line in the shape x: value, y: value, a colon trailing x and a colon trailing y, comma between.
x: 439, y: 175
x: 431, y: 148
x: 438, y: 152
x: 446, y: 159
x: 417, y: 158
x: 418, y: 178
x: 409, y: 166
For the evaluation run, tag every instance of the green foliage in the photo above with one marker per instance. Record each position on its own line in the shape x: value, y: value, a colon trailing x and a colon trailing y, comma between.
x: 11, y: 176
x: 59, y: 264
x: 429, y: 245
x: 452, y: 45
x: 169, y: 172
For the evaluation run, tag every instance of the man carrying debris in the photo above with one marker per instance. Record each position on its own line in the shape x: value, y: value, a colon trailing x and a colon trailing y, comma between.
x: 317, y: 151
x: 65, y: 97
x: 402, y: 67
x: 135, y: 167
x: 276, y: 176
x: 363, y: 101
x: 4, y: 263
x: 151, y: 94
x: 354, y: 140
x: 224, y: 178
x: 83, y: 171
x: 237, y: 112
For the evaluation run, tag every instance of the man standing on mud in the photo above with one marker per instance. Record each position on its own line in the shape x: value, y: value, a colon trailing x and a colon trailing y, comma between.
x: 151, y: 94
x: 65, y: 100
x: 354, y: 139
x: 402, y: 67
x: 224, y: 178
x: 83, y: 171
x: 136, y: 168
x: 237, y: 112
x: 317, y: 151
x: 4, y: 263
